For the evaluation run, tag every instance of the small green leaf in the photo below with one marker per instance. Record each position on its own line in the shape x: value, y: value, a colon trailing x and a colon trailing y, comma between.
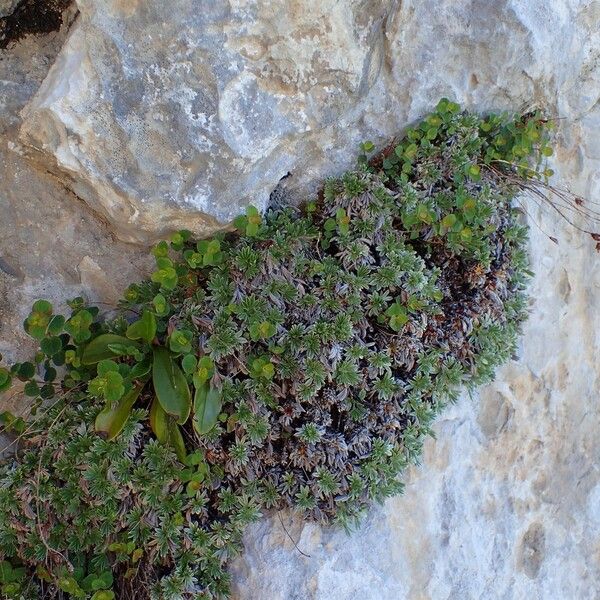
x: 161, y: 249
x: 78, y: 326
x: 103, y: 581
x: 466, y: 234
x: 118, y: 547
x: 56, y: 325
x: 5, y: 379
x: 108, y: 385
x: 42, y: 306
x: 176, y: 440
x: 268, y: 370
x: 424, y: 214
x: 166, y: 276
x: 51, y: 345
x: 411, y: 151
x: 141, y: 369
x: 367, y: 146
x: 475, y: 172
x: 194, y: 459
x: 206, y: 369
x: 50, y: 374
x: 262, y: 330
x: 47, y: 391
x: 432, y: 133
x: 449, y: 220
x: 26, y: 370
x: 170, y: 385
x: 207, y: 406
x: 189, y: 364
x: 131, y: 294
x: 70, y: 585
x: 32, y: 389
x: 398, y: 316
x: 144, y: 328
x: 103, y: 595
x: 104, y: 366
x: 42, y: 573
x: 160, y: 305
x: 180, y: 341
x: 166, y: 430
x: 39, y: 318
x: 99, y: 348
x: 6, y: 572
x: 330, y: 225
x: 262, y: 368
x: 159, y: 422
x: 240, y: 222
x: 434, y: 121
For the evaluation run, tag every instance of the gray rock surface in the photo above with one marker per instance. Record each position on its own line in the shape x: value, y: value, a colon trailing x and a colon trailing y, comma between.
x: 159, y: 114
x: 162, y: 115
x: 51, y: 246
x: 204, y: 113
x: 7, y: 6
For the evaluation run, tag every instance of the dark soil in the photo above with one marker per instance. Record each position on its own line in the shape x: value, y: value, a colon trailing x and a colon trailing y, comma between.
x: 32, y: 17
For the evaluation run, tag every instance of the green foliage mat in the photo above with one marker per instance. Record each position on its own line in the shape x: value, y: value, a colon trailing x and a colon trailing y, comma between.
x: 298, y: 363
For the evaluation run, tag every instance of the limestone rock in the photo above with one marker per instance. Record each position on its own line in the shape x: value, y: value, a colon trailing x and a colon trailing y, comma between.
x: 51, y: 246
x: 161, y: 115
x: 163, y: 122
x: 7, y: 6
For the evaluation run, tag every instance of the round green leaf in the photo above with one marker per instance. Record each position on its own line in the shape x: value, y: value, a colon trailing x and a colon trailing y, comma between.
x: 32, y: 389
x: 56, y: 325
x: 51, y: 345
x: 189, y: 363
x: 42, y: 306
x: 26, y: 370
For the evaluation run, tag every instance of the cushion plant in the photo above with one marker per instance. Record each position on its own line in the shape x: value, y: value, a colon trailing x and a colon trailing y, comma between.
x: 296, y: 363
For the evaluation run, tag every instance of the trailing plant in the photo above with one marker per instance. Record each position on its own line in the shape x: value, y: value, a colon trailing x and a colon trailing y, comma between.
x: 298, y: 362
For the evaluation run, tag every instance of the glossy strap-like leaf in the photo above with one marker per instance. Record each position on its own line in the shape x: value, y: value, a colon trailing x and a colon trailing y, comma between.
x: 159, y: 422
x: 207, y: 406
x: 98, y: 349
x: 166, y: 430
x: 170, y: 385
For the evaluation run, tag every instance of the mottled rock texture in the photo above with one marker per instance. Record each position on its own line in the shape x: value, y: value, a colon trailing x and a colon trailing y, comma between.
x: 7, y: 6
x: 51, y: 245
x: 163, y: 122
x: 160, y: 115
